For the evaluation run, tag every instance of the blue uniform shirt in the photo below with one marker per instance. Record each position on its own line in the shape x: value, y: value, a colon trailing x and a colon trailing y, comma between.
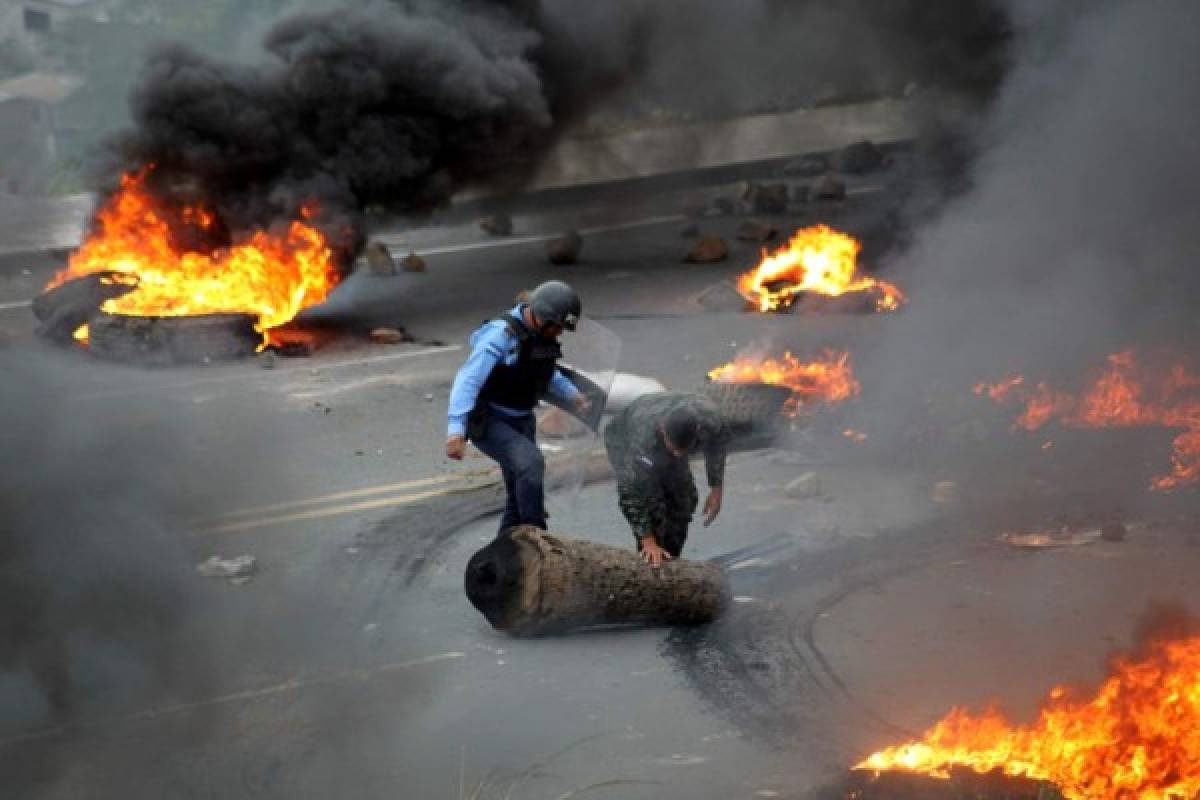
x: 492, y: 344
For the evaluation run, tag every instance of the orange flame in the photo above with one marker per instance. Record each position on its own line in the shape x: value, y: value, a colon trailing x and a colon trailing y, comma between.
x: 1121, y: 397
x: 829, y: 379
x: 1136, y: 738
x: 271, y: 275
x: 817, y: 259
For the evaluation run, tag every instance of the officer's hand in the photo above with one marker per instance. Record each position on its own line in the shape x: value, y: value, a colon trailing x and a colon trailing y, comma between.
x: 712, y: 505
x: 652, y: 554
x: 456, y: 446
x: 583, y: 403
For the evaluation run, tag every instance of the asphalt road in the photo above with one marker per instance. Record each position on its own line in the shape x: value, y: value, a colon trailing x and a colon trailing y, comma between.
x: 351, y: 665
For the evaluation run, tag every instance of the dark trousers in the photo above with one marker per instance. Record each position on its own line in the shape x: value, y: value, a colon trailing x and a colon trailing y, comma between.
x: 511, y: 443
x: 673, y: 496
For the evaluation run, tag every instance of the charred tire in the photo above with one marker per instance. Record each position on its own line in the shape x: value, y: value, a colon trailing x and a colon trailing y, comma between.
x: 164, y: 341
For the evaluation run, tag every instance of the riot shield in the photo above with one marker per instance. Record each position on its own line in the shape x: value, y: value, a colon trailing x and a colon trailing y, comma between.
x: 574, y: 452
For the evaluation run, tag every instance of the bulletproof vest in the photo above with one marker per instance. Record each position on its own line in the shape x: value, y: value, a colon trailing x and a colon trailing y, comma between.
x: 522, y: 384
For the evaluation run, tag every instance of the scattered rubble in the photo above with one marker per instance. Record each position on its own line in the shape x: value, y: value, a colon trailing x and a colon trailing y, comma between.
x: 237, y: 570
x: 414, y: 263
x: 722, y: 296
x: 754, y: 230
x: 707, y: 250
x: 564, y: 249
x: 810, y: 166
x: 763, y: 198
x: 860, y: 158
x: 804, y: 487
x: 385, y: 335
x: 828, y: 187
x: 379, y: 260
x: 497, y: 224
x: 267, y: 360
x: 689, y: 231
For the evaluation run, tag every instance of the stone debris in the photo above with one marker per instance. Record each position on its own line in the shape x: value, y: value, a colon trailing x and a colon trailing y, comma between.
x: 497, y: 224
x: 828, y: 187
x: 800, y: 193
x: 689, y: 231
x: 389, y: 336
x: 267, y: 360
x: 722, y: 296
x: 414, y: 263
x: 707, y: 250
x: 810, y: 166
x: 754, y: 230
x: 860, y: 158
x: 564, y: 249
x: 945, y: 493
x: 804, y: 487
x: 379, y: 260
x: 238, y: 569
x: 763, y: 198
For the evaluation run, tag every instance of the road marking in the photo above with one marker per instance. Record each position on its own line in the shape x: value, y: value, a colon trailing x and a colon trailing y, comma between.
x: 265, y: 375
x: 15, y: 305
x: 290, y: 685
x: 334, y: 511
x: 346, y: 495
x: 512, y: 241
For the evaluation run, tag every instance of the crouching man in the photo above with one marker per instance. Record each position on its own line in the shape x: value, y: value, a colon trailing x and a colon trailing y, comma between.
x: 649, y: 444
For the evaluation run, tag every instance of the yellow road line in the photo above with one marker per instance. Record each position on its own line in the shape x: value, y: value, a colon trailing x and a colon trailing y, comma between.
x: 333, y: 511
x: 346, y: 495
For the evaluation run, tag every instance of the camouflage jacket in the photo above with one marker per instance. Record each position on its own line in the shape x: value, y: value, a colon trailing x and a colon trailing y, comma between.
x: 646, y: 470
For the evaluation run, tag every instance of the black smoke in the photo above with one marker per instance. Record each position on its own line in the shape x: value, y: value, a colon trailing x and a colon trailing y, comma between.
x: 398, y: 105
x: 395, y: 105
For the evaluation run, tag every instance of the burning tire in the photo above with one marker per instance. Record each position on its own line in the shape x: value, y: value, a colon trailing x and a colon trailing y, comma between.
x: 749, y: 408
x: 163, y: 341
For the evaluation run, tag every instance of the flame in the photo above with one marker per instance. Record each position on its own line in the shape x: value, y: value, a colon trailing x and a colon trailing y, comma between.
x: 271, y: 275
x: 829, y: 379
x: 816, y: 259
x: 1123, y: 396
x: 1136, y: 738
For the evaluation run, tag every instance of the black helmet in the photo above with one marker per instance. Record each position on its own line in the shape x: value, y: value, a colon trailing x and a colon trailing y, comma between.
x: 556, y: 302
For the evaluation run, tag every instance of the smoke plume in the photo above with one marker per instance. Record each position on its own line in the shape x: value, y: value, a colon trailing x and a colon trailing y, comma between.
x: 399, y: 105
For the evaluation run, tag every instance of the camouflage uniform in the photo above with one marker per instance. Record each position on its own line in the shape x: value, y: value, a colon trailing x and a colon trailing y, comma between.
x: 655, y: 490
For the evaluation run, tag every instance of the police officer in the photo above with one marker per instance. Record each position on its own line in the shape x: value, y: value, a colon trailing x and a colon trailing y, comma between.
x: 512, y: 365
x: 649, y: 444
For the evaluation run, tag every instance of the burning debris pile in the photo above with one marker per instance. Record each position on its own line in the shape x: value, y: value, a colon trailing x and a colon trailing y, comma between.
x: 1135, y: 737
x: 829, y: 379
x: 244, y: 189
x: 819, y: 263
x: 1125, y: 395
x: 136, y: 244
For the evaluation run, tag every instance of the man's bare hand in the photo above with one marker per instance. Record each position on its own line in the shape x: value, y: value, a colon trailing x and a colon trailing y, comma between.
x: 455, y: 447
x: 712, y: 505
x: 652, y: 553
